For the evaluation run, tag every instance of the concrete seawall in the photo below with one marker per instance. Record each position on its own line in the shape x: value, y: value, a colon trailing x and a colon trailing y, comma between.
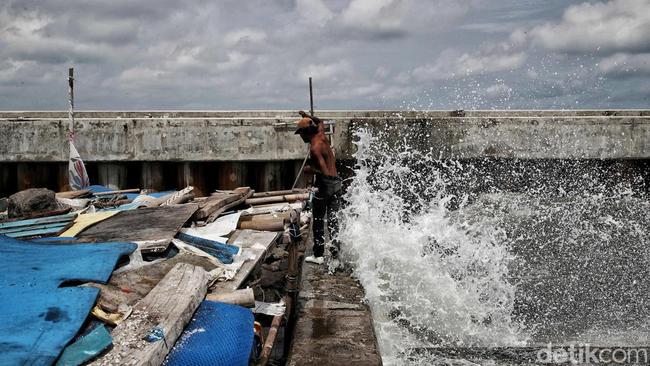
x: 268, y: 135
x: 164, y: 149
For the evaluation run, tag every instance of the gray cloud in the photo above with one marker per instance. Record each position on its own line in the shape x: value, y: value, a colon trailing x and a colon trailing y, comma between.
x: 362, y: 54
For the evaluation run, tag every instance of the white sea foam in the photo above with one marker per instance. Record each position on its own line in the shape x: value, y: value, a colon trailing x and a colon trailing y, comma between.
x: 428, y: 280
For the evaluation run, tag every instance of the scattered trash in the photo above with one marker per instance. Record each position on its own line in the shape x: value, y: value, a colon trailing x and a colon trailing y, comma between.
x: 185, y: 247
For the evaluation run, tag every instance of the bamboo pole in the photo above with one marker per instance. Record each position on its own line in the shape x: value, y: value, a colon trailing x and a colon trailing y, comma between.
x: 270, y: 340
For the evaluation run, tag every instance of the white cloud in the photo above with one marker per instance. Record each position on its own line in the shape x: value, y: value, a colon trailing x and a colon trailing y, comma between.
x: 376, y: 15
x: 622, y: 64
x: 453, y: 64
x: 605, y: 27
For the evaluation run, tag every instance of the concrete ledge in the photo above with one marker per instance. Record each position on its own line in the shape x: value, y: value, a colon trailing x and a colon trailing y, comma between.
x: 334, y: 326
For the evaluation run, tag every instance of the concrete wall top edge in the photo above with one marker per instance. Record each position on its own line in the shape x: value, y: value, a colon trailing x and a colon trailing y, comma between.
x: 285, y: 114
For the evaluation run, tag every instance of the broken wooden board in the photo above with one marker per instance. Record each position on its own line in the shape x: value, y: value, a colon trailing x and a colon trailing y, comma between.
x: 245, y: 195
x: 251, y: 241
x: 215, y: 202
x: 275, y: 199
x: 146, y: 224
x: 150, y: 332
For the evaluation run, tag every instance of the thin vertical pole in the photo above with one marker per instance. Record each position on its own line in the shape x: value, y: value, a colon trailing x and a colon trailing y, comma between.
x: 71, y: 100
x: 311, y: 99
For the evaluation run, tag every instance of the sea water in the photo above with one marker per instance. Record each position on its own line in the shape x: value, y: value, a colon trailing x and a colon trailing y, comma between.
x: 452, y: 269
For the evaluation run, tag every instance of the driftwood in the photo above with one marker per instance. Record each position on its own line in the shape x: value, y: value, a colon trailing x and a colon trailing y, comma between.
x: 274, y: 199
x: 147, y: 336
x: 181, y: 196
x: 218, y: 203
x: 244, y: 297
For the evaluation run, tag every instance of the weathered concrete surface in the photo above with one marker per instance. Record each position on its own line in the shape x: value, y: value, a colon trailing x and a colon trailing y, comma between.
x: 268, y: 135
x: 334, y: 326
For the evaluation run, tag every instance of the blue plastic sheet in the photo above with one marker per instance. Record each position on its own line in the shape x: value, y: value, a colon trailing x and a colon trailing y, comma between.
x: 219, y: 334
x: 41, y: 308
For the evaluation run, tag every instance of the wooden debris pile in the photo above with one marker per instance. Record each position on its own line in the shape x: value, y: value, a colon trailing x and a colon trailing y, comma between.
x: 188, y: 248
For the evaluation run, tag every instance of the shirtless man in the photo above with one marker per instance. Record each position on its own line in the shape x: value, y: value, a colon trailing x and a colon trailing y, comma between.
x: 327, y: 200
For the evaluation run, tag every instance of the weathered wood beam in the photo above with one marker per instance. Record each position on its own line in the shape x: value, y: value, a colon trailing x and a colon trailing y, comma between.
x: 213, y: 203
x: 157, y: 320
x: 274, y: 199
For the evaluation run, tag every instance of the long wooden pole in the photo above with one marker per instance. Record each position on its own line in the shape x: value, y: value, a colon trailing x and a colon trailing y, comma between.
x: 311, y: 98
x: 71, y: 100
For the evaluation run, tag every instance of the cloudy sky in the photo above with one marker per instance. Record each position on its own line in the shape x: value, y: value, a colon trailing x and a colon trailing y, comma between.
x: 362, y: 54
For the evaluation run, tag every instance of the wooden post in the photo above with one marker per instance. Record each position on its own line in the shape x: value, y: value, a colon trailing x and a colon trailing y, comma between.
x: 270, y: 340
x: 71, y: 100
x: 311, y: 99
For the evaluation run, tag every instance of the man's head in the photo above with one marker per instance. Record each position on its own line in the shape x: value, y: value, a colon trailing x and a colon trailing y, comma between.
x: 307, y: 128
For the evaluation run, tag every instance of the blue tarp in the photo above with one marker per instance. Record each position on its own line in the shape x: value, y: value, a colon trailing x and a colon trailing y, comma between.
x: 219, y: 334
x: 128, y: 206
x: 38, y: 317
x: 223, y: 252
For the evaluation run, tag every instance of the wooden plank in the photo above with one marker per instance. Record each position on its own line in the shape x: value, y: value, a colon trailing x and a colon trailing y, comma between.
x: 39, y: 221
x: 245, y: 195
x: 146, y: 224
x: 247, y: 240
x: 166, y: 309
